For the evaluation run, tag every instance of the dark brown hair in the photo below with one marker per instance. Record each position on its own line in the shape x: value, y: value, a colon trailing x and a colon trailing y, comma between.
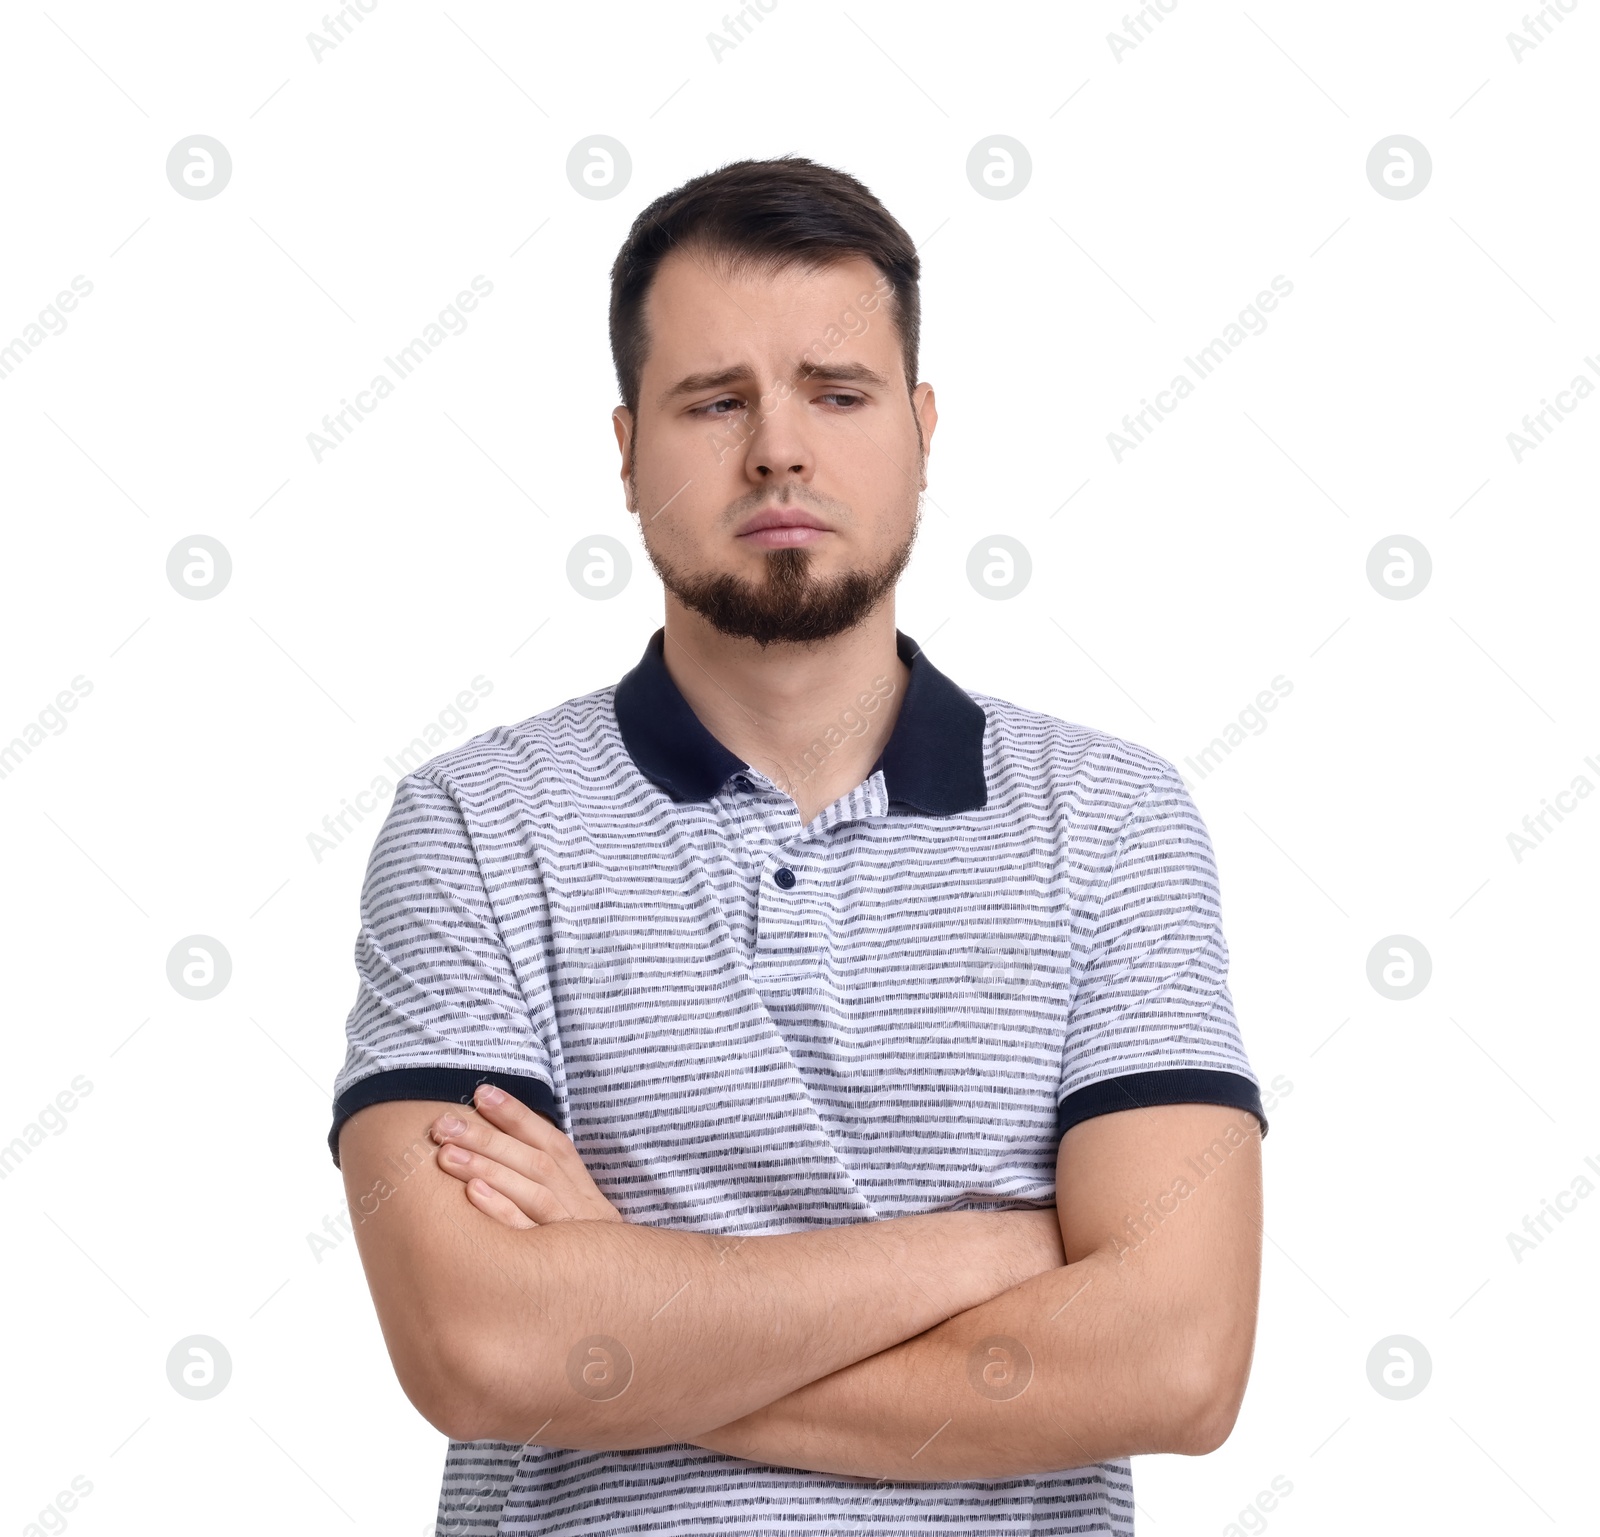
x: 784, y: 210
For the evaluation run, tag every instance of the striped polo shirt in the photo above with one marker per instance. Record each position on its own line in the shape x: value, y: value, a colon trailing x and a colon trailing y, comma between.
x: 752, y: 1025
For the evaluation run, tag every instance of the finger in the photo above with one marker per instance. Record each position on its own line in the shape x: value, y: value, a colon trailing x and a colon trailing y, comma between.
x: 551, y: 1158
x: 515, y: 1118
x: 532, y: 1199
x: 560, y: 1170
x: 492, y: 1203
x: 477, y: 1135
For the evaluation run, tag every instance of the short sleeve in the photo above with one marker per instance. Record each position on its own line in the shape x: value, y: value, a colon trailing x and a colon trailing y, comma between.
x: 1151, y: 1020
x: 439, y: 1008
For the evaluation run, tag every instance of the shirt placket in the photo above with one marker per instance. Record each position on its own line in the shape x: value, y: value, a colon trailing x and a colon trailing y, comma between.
x: 789, y: 863
x: 784, y: 864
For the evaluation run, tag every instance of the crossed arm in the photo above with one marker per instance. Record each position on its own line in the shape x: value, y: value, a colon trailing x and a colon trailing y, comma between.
x: 951, y: 1346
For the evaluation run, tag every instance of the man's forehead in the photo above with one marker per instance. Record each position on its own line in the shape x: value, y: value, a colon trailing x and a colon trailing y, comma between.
x: 695, y: 291
x: 718, y: 267
x: 708, y: 323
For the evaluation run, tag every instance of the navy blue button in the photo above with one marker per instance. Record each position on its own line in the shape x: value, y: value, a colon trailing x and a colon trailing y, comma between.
x: 784, y: 877
x: 740, y: 782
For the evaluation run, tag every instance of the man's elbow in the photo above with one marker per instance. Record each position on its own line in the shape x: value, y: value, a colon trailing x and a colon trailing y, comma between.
x: 451, y: 1387
x: 1209, y: 1408
x: 464, y: 1418
x: 456, y: 1404
x: 437, y: 1373
x: 449, y: 1285
x: 450, y: 1413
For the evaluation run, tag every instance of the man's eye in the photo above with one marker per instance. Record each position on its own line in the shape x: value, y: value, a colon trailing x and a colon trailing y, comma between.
x: 713, y: 407
x: 849, y: 400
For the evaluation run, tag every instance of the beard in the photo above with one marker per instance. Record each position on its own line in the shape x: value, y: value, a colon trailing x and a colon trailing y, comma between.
x: 789, y: 604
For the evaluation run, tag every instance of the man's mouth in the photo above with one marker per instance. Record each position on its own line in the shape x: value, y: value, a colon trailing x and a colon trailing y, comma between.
x: 783, y: 528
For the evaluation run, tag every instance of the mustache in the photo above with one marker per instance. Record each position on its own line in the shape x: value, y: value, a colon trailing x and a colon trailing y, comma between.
x: 789, y: 495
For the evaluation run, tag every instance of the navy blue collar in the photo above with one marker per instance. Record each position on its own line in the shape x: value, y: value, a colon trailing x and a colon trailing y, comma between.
x: 933, y: 760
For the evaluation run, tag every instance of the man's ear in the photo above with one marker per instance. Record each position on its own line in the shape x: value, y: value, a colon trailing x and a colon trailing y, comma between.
x: 622, y: 424
x: 927, y: 415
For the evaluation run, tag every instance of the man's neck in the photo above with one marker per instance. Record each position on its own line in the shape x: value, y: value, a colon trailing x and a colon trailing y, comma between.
x: 813, y: 719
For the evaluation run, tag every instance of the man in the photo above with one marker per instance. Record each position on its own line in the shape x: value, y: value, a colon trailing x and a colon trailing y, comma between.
x: 850, y: 1123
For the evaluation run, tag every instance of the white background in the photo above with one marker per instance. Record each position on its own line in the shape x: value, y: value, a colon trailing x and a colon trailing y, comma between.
x: 1169, y: 185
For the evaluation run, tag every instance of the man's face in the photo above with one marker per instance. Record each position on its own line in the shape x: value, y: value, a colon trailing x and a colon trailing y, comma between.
x: 775, y: 463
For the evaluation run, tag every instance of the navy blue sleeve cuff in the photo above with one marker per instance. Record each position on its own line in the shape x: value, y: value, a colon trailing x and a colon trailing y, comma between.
x: 1167, y: 1086
x: 444, y: 1083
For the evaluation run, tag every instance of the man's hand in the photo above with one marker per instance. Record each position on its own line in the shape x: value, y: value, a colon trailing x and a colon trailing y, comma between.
x: 516, y: 1166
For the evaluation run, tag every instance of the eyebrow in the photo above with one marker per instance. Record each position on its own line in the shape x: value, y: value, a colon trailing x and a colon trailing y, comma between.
x: 839, y: 373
